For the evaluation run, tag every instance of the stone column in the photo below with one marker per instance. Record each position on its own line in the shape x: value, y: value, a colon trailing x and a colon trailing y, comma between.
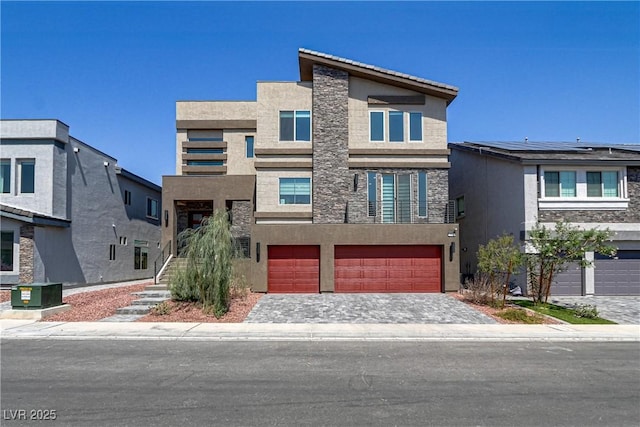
x: 330, y: 145
x: 26, y: 254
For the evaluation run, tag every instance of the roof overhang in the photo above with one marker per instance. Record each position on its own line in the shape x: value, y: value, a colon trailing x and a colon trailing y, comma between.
x: 34, y: 218
x: 307, y: 58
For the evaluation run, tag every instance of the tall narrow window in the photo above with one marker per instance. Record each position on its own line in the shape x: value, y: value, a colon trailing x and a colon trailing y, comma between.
x: 140, y: 255
x: 152, y: 208
x: 568, y: 184
x: 460, y: 206
x: 295, y: 125
x: 388, y: 198
x: 610, y: 184
x: 127, y: 197
x: 376, y: 126
x: 372, y: 193
x: 112, y: 252
x: 415, y: 126
x: 248, y: 141
x: 6, y: 250
x: 27, y: 176
x: 594, y: 184
x: 295, y: 191
x: 396, y: 126
x: 404, y: 199
x: 422, y: 194
x: 5, y: 175
x: 552, y: 184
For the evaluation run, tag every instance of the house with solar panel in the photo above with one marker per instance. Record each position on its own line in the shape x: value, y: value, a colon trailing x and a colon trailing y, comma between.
x: 337, y: 182
x: 505, y: 187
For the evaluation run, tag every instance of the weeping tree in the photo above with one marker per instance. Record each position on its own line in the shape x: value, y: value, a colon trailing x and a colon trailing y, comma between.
x: 498, y: 260
x: 555, y: 249
x: 206, y: 278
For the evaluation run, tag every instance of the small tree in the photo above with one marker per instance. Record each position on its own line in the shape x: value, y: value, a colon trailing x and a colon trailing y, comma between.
x: 555, y: 249
x: 499, y: 259
x: 207, y: 276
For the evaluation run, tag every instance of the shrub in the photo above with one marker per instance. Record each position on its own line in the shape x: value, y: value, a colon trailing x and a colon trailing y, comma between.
x: 518, y: 315
x: 587, y: 311
x: 161, y: 309
x: 478, y: 289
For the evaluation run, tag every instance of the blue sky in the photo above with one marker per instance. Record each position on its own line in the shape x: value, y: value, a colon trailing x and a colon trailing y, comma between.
x: 113, y: 70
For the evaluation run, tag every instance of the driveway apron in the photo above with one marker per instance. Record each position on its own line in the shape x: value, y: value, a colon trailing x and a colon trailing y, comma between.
x: 624, y: 310
x: 364, y: 308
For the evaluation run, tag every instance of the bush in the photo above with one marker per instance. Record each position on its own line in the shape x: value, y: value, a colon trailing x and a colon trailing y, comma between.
x: 479, y: 290
x: 518, y: 315
x: 588, y: 311
x: 161, y: 309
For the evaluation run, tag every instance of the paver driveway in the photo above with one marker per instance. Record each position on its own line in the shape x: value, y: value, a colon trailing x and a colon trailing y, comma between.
x: 364, y: 308
x: 623, y: 310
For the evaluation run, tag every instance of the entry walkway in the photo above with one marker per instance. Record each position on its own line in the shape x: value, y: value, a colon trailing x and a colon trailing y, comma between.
x: 364, y: 308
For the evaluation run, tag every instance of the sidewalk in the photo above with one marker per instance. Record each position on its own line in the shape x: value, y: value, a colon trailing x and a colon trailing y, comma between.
x: 24, y: 329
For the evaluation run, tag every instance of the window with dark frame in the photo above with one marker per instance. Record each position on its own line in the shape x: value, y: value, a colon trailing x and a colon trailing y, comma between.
x: 112, y: 252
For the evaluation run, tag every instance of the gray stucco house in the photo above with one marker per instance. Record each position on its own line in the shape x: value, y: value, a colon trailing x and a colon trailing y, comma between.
x: 505, y: 187
x: 69, y: 213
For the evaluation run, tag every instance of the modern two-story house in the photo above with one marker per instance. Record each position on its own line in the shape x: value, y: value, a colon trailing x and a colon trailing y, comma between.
x: 506, y: 187
x: 335, y: 183
x: 69, y: 213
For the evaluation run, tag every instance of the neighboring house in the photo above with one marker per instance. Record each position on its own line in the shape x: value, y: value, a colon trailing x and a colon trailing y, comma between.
x: 506, y: 187
x: 69, y: 213
x: 335, y: 183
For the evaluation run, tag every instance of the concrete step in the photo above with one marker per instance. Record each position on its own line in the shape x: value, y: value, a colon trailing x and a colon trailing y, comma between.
x: 158, y: 287
x: 134, y: 309
x: 151, y: 301
x: 153, y: 294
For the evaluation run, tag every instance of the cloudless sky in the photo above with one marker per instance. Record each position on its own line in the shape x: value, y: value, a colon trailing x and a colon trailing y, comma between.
x: 113, y: 71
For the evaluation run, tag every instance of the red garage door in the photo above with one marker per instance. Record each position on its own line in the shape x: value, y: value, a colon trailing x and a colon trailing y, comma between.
x: 294, y: 269
x: 388, y: 268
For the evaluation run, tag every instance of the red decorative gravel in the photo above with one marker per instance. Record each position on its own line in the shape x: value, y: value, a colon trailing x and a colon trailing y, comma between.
x: 491, y: 312
x: 5, y: 296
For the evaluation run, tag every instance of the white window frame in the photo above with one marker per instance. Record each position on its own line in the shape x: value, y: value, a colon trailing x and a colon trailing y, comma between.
x: 294, y: 127
x: 296, y: 204
x: 409, y: 126
x: 404, y: 126
x: 581, y: 201
x: 384, y: 126
x: 9, y: 176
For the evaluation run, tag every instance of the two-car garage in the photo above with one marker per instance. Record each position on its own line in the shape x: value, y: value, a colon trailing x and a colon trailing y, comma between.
x: 357, y: 268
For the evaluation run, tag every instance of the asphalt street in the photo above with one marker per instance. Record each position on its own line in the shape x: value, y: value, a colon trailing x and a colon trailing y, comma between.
x: 341, y: 383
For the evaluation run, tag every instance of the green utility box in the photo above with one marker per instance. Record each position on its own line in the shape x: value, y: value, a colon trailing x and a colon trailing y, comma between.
x: 36, y: 296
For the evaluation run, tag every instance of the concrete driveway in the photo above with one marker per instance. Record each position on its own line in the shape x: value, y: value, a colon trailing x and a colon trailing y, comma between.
x: 622, y: 310
x: 364, y: 308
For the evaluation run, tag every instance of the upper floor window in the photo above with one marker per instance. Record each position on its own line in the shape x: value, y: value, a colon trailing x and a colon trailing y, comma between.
x: 460, y: 207
x: 27, y: 173
x: 205, y: 150
x: 248, y: 142
x: 396, y: 126
x: 152, y: 208
x: 205, y: 163
x: 376, y: 126
x: 295, y: 125
x: 415, y: 126
x: 6, y: 250
x: 422, y: 194
x: 560, y: 183
x: 295, y: 191
x: 127, y: 197
x: 5, y: 175
x: 372, y: 193
x: 602, y: 184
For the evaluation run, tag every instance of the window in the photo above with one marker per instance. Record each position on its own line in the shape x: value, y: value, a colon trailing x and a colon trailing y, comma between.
x: 112, y: 252
x: 396, y: 126
x: 6, y: 250
x: 243, y: 247
x: 248, y: 142
x: 5, y: 176
x: 376, y: 126
x: 123, y: 240
x: 422, y: 194
x: 372, y: 193
x: 140, y: 254
x: 127, y: 197
x: 295, y: 125
x: 205, y: 163
x: 210, y: 139
x: 152, y: 208
x: 295, y: 191
x: 602, y: 184
x: 560, y: 184
x: 205, y: 150
x: 396, y: 198
x: 27, y: 176
x: 415, y: 126
x: 460, y: 206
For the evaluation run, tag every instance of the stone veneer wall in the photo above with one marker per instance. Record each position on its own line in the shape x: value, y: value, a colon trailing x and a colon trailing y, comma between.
x: 26, y: 254
x: 331, y: 183
x: 630, y: 215
x: 182, y: 213
x: 241, y: 218
x: 437, y: 195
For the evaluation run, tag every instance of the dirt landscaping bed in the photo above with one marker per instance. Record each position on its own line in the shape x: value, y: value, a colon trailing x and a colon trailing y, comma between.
x: 239, y: 309
x: 493, y: 312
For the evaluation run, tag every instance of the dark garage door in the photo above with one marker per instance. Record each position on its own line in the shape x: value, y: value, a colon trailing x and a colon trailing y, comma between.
x: 391, y: 268
x: 293, y: 269
x: 618, y: 276
x: 568, y: 282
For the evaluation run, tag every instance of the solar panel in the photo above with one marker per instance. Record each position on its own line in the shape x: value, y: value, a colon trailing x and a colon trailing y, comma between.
x: 575, y: 147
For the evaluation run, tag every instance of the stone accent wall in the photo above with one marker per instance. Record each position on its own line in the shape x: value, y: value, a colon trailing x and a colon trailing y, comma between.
x: 26, y: 254
x: 437, y: 195
x: 630, y: 215
x: 241, y: 218
x: 182, y: 213
x: 331, y: 178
